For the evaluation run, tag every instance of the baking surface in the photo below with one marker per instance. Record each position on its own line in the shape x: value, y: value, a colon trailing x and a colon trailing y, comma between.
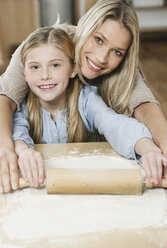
x: 31, y: 218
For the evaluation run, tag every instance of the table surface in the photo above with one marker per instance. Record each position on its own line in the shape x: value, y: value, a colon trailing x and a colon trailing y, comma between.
x: 154, y: 236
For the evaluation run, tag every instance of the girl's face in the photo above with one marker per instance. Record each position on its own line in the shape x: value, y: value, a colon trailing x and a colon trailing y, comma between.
x: 47, y: 71
x: 105, y: 49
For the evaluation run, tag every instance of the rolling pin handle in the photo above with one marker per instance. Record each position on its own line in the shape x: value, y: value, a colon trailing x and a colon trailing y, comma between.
x: 150, y: 185
x: 23, y: 184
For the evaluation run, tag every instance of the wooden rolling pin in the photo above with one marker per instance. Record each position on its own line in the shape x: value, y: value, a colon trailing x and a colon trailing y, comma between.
x: 99, y: 181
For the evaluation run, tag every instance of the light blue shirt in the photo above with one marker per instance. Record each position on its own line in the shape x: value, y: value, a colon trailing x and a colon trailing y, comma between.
x: 120, y: 131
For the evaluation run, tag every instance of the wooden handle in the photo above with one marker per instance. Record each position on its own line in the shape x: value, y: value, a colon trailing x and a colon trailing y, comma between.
x: 90, y: 181
x: 163, y: 184
x: 23, y: 184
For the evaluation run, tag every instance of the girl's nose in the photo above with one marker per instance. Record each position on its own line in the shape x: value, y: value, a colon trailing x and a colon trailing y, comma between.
x: 45, y: 74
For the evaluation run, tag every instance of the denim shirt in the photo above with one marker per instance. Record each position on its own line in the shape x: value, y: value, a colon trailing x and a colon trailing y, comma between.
x: 120, y: 131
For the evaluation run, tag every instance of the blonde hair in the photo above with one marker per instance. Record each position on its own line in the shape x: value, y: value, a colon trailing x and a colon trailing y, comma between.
x: 60, y: 39
x: 115, y: 87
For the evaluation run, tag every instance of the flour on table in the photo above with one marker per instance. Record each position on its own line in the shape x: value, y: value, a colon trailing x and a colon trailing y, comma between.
x: 93, y: 162
x: 30, y: 215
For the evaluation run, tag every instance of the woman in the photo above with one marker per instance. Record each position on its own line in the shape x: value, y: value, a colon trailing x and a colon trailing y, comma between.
x: 50, y: 113
x: 127, y: 85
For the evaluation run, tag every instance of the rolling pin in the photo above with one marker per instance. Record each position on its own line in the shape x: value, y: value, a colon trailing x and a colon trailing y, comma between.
x: 99, y: 181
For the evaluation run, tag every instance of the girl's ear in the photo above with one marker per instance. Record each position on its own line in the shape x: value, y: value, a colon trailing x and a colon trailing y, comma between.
x: 74, y: 71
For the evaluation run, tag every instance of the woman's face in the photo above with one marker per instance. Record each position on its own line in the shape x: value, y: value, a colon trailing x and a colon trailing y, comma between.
x: 105, y: 49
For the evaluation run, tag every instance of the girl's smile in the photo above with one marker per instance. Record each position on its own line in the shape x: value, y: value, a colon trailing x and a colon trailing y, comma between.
x: 47, y: 71
x: 47, y: 86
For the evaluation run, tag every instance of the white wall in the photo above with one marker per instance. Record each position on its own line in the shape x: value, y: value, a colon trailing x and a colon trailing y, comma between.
x: 51, y: 8
x: 152, y: 19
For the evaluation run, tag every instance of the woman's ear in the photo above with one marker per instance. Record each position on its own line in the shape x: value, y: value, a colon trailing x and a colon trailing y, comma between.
x: 25, y: 75
x: 74, y: 71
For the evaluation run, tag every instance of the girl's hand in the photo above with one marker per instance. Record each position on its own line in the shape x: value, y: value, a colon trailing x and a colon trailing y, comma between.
x: 31, y: 166
x: 153, y: 163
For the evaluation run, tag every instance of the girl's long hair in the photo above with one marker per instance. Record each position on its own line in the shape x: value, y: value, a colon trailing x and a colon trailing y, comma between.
x: 60, y: 39
x: 116, y: 87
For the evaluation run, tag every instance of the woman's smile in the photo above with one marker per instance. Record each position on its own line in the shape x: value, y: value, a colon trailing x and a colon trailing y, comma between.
x: 104, y: 50
x: 93, y: 66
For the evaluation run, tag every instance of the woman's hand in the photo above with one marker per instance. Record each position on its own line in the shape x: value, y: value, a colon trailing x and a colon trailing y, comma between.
x: 31, y: 166
x: 8, y: 158
x: 152, y: 158
x: 9, y: 178
x: 151, y: 115
x: 153, y: 163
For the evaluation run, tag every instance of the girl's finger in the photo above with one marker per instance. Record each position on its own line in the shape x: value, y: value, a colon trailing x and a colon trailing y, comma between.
x: 34, y: 170
x: 164, y: 162
x: 28, y: 172
x: 147, y: 168
x: 14, y: 175
x: 1, y: 186
x: 41, y: 171
x: 23, y: 170
x: 5, y: 176
x: 159, y: 167
x: 165, y: 173
x: 154, y: 170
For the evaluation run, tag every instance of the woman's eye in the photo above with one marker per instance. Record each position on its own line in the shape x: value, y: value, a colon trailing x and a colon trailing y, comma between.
x: 117, y: 52
x: 99, y: 40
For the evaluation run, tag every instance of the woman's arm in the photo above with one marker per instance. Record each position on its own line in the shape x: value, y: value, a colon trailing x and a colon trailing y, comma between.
x: 8, y: 157
x: 140, y: 93
x: 151, y: 115
x: 12, y: 82
x: 13, y: 90
x: 145, y: 109
x: 152, y: 159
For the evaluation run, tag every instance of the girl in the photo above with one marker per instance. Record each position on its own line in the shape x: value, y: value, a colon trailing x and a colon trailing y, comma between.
x: 129, y: 93
x: 51, y: 115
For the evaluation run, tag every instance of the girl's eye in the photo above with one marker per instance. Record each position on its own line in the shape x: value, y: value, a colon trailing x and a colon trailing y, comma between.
x: 55, y: 65
x: 117, y: 52
x: 34, y: 67
x: 98, y: 40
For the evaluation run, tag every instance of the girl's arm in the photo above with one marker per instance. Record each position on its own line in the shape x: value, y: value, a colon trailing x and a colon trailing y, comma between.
x: 8, y: 157
x: 30, y: 163
x: 126, y: 135
x: 120, y: 131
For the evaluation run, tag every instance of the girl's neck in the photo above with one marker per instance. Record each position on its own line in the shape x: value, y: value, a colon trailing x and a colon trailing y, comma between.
x: 54, y: 106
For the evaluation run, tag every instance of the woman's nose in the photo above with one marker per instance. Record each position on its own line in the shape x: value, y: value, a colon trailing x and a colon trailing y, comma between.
x: 102, y: 56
